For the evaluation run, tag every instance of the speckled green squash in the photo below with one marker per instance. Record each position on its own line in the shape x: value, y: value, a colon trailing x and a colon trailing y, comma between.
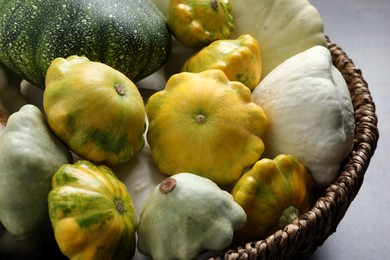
x: 92, y: 213
x: 129, y: 35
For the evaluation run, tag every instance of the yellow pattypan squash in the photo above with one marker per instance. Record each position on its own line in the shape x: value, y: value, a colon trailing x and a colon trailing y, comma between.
x: 283, y: 28
x: 92, y: 213
x: 273, y: 193
x: 196, y: 23
x: 238, y: 58
x: 96, y: 110
x: 205, y: 124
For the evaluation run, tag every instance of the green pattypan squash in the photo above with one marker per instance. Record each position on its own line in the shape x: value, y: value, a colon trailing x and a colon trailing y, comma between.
x: 310, y: 113
x: 185, y: 215
x: 30, y: 154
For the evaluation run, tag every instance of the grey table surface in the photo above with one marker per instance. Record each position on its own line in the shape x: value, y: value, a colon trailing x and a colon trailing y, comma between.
x: 361, y: 29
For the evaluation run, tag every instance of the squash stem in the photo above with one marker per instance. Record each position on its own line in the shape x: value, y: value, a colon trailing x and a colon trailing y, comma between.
x: 119, y: 206
x: 119, y: 89
x: 214, y: 4
x: 288, y: 216
x: 200, y: 119
x: 167, y: 185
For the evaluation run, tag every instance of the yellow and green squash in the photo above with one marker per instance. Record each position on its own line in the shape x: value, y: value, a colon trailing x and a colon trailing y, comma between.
x: 205, y: 124
x: 238, y: 58
x: 273, y: 194
x: 96, y: 110
x: 196, y: 23
x: 92, y: 213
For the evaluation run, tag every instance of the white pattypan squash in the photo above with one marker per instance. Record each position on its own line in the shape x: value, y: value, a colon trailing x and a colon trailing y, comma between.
x: 283, y: 28
x: 310, y: 112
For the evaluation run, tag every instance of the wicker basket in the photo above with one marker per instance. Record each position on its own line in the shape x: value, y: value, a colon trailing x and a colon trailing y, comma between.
x: 300, y: 239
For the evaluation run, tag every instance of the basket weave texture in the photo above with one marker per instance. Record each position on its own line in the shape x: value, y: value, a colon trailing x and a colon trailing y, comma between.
x: 300, y: 239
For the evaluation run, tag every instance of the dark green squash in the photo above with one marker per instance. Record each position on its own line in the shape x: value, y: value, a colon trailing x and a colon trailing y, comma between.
x: 129, y: 35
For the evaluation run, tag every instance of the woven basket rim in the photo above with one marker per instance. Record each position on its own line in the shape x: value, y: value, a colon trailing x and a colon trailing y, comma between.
x: 300, y: 239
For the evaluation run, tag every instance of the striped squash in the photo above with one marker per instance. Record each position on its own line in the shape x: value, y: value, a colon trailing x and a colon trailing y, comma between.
x: 92, y: 213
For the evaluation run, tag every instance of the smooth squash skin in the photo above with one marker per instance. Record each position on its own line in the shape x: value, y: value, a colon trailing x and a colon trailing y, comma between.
x: 273, y: 193
x: 321, y: 137
x: 92, y: 213
x: 130, y: 35
x: 186, y: 215
x: 96, y: 110
x: 30, y: 154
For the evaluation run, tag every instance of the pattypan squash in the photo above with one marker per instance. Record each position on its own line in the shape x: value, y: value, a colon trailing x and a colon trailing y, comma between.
x: 283, y: 28
x: 310, y: 112
x: 30, y: 154
x: 238, y: 58
x: 196, y: 23
x: 185, y: 215
x: 273, y: 193
x: 92, y: 213
x: 205, y: 124
x: 96, y: 110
